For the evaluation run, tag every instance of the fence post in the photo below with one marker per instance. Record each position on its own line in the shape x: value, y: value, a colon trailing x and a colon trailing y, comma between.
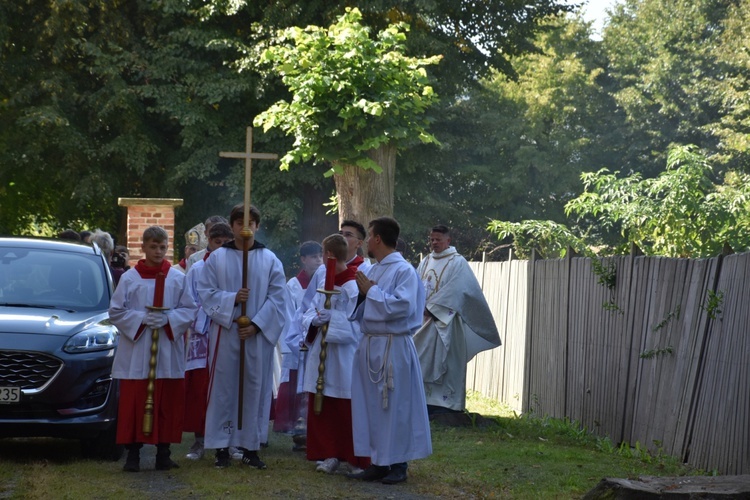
x: 529, y: 330
x: 569, y: 254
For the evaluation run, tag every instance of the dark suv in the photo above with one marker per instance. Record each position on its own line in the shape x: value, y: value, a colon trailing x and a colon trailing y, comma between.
x: 56, y: 344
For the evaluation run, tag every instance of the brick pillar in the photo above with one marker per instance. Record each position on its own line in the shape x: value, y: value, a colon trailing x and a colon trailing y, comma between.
x: 144, y: 213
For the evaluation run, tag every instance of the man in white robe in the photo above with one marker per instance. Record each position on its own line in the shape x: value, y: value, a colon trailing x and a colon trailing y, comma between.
x: 458, y: 324
x: 389, y: 413
x: 221, y: 293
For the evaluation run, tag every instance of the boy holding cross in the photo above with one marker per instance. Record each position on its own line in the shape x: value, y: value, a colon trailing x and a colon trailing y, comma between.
x: 222, y: 295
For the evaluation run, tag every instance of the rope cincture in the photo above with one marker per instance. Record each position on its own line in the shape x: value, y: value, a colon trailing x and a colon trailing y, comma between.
x: 384, y: 373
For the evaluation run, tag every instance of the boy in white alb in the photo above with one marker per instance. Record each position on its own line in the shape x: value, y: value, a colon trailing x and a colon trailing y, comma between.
x: 291, y: 404
x: 221, y: 292
x: 152, y: 282
x: 329, y: 434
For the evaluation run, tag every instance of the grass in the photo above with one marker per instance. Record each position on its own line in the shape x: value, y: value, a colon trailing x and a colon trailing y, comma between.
x: 504, y: 457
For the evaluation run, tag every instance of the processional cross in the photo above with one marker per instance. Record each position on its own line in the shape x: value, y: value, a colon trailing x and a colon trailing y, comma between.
x: 243, y: 321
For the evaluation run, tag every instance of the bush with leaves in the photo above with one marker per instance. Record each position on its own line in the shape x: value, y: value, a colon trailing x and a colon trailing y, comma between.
x: 548, y: 238
x: 680, y: 213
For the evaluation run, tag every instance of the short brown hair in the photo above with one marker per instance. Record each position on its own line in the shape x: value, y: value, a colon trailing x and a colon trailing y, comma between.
x: 337, y: 245
x: 220, y: 230
x: 155, y: 233
x: 441, y: 228
x: 238, y: 212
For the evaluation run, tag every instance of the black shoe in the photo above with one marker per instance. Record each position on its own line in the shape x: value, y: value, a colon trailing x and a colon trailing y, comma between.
x: 163, y: 462
x: 133, y: 462
x: 251, y: 458
x: 166, y: 464
x: 223, y: 459
x: 395, y: 476
x: 372, y: 473
x: 132, y: 465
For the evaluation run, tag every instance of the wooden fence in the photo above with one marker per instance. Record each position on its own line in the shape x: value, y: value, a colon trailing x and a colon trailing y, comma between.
x: 660, y: 358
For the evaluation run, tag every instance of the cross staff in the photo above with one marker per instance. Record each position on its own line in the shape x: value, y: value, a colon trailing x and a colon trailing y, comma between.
x: 244, y: 321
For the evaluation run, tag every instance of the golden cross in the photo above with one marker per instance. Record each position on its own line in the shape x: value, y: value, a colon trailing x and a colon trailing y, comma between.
x: 249, y: 156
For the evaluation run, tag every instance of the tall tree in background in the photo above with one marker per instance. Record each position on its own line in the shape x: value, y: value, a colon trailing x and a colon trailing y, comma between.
x: 668, y: 60
x: 105, y: 100
x: 355, y: 100
x: 518, y: 145
x: 731, y: 89
x: 102, y: 100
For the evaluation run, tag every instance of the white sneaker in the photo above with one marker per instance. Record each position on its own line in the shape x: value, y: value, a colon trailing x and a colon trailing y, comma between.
x: 236, y: 453
x: 196, y: 451
x: 328, y: 466
x: 347, y: 468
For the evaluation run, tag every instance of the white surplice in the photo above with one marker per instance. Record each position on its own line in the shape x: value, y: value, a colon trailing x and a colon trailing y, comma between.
x: 218, y: 284
x: 127, y: 311
x: 342, y: 337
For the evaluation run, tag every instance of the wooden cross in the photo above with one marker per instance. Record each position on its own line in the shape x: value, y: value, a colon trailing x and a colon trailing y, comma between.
x: 243, y: 320
x: 249, y: 156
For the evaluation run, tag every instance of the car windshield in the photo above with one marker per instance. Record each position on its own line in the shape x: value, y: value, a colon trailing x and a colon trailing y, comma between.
x: 45, y: 278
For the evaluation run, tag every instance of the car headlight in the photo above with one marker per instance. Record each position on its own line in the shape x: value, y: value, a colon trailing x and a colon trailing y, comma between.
x: 98, y: 338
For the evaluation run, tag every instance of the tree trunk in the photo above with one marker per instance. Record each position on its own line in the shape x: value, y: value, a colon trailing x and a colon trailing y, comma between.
x: 364, y: 195
x: 316, y: 225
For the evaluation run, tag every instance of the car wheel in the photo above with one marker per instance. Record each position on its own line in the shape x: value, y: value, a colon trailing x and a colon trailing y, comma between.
x: 103, y: 447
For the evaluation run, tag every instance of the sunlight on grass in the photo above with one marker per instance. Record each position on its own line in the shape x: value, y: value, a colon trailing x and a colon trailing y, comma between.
x: 477, y: 403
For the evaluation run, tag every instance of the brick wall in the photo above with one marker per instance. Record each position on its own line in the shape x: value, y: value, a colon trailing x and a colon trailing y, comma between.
x: 146, y: 212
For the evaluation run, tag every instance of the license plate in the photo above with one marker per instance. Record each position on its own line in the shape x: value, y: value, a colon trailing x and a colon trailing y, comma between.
x: 10, y: 395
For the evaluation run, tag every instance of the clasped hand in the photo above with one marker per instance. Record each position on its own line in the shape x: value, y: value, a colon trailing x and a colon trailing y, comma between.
x: 155, y: 319
x: 323, y: 317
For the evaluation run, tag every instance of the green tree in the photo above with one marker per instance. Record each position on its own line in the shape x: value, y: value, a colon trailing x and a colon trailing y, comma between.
x: 680, y: 213
x: 103, y: 100
x: 549, y: 238
x: 108, y: 100
x: 514, y: 148
x: 553, y: 122
x: 670, y: 60
x: 355, y: 100
x: 731, y: 90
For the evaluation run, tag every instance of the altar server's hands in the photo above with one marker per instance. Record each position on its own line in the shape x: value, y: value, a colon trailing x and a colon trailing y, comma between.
x: 323, y: 317
x: 156, y: 319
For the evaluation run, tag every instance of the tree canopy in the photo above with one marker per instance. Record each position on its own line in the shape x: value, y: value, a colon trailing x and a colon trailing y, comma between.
x: 107, y: 100
x: 350, y: 93
x: 680, y: 79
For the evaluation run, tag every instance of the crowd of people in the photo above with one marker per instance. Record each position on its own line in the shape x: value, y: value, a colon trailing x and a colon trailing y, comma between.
x: 352, y: 356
